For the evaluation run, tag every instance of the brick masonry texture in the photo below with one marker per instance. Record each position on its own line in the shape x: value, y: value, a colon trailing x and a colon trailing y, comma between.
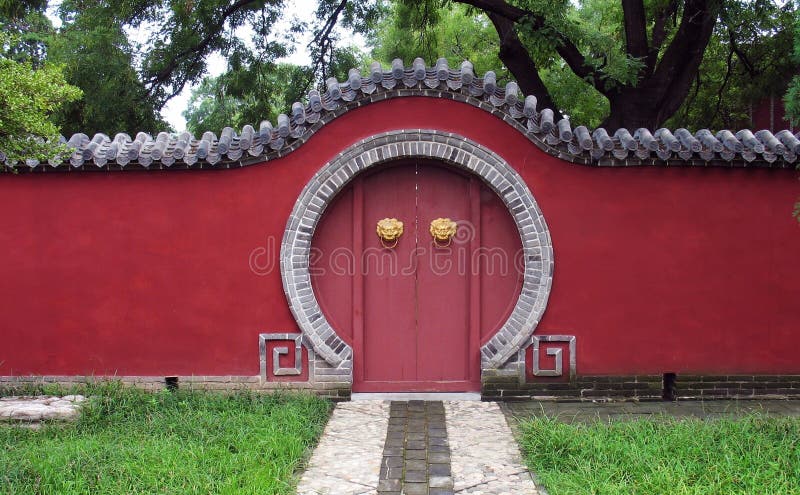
x: 642, y: 387
x: 494, y: 387
x: 336, y: 391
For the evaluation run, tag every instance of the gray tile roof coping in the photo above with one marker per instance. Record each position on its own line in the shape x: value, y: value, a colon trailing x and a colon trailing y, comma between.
x: 598, y: 147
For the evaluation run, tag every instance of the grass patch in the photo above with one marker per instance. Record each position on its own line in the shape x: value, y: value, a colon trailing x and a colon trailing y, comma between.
x: 754, y: 454
x: 128, y: 441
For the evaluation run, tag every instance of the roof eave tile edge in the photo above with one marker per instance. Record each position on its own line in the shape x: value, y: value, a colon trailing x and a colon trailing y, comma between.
x: 623, y: 148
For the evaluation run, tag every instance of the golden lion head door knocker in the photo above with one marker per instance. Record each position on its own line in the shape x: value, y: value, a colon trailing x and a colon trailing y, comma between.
x: 389, y: 231
x: 442, y: 230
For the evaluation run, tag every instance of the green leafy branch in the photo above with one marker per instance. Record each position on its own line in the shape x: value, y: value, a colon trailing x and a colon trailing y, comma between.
x: 28, y: 97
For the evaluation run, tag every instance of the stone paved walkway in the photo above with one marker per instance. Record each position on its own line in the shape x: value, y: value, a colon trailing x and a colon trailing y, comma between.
x: 462, y: 447
x: 416, y: 448
x: 485, y: 456
x: 416, y: 455
x: 347, y: 460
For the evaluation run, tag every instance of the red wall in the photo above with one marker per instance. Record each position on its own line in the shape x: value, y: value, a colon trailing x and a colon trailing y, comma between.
x: 687, y: 270
x: 770, y: 113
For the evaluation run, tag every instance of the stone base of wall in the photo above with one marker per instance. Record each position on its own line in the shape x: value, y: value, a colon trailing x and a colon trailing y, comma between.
x: 334, y: 390
x: 499, y: 386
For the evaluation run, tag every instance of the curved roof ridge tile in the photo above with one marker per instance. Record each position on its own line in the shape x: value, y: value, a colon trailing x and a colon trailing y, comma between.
x: 594, y: 147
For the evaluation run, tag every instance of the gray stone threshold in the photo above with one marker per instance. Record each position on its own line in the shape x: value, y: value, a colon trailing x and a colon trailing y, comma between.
x: 428, y: 396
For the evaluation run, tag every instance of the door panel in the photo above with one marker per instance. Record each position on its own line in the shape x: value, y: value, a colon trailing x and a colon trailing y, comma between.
x: 390, y: 331
x: 443, y: 278
x: 415, y: 313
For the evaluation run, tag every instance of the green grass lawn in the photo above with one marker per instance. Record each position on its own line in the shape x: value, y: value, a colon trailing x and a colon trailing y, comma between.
x: 129, y: 442
x: 753, y: 455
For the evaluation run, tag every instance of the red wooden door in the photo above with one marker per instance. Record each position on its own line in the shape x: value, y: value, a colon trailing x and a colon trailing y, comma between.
x: 387, y: 340
x: 416, y: 313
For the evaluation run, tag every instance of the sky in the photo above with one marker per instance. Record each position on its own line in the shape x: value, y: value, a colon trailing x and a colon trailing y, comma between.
x: 172, y: 111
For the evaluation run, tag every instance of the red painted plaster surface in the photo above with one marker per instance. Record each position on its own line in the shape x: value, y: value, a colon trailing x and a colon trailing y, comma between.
x: 686, y: 270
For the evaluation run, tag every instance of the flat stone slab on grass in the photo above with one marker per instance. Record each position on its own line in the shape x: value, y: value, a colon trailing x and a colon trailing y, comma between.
x: 34, y: 409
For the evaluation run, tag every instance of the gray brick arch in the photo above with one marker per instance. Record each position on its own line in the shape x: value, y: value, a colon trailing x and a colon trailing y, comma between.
x: 453, y: 150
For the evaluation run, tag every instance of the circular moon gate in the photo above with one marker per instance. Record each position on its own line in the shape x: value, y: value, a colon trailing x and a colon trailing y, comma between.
x: 453, y: 150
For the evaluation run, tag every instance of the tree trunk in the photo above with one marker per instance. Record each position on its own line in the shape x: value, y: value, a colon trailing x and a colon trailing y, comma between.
x: 632, y: 108
x: 663, y: 84
x: 519, y: 62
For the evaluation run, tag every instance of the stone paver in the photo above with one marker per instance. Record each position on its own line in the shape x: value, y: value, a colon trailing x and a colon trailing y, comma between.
x: 416, y: 455
x: 40, y: 408
x: 347, y: 460
x: 485, y: 458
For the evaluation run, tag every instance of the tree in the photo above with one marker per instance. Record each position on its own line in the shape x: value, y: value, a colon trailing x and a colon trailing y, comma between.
x: 456, y: 33
x: 244, y: 96
x: 792, y: 98
x: 127, y: 81
x: 746, y: 61
x: 644, y: 72
x: 255, y: 90
x: 625, y: 63
x: 641, y: 57
x: 25, y: 23
x: 98, y: 57
x: 28, y: 97
x: 187, y: 32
